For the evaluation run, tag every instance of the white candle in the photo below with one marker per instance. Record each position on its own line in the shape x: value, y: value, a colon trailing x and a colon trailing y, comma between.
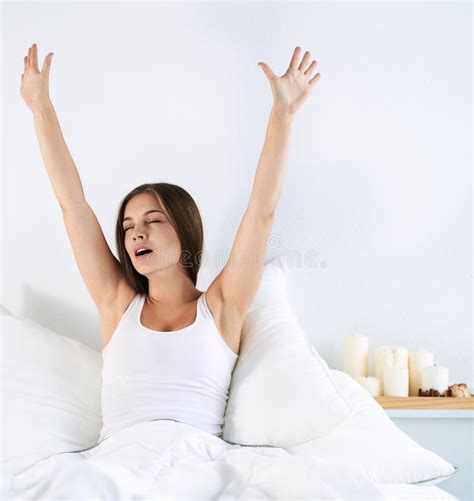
x: 435, y: 377
x: 389, y: 356
x: 417, y: 361
x: 372, y: 384
x: 395, y: 382
x: 400, y: 357
x: 355, y: 356
x: 382, y: 356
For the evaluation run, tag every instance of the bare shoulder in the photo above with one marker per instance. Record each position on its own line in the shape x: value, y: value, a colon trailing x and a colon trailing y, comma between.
x: 227, y: 318
x: 112, y: 313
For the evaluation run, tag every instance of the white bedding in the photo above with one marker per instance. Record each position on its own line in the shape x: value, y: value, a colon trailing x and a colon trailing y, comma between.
x: 414, y: 492
x: 168, y: 459
x: 51, y: 387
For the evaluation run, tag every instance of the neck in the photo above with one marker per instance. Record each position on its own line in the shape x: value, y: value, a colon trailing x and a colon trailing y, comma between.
x: 171, y: 287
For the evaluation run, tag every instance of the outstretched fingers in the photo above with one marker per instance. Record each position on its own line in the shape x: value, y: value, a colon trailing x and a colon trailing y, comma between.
x: 31, y: 60
x: 47, y: 63
x: 294, y: 59
x: 34, y: 57
x: 311, y: 68
x: 314, y: 79
x: 304, y: 61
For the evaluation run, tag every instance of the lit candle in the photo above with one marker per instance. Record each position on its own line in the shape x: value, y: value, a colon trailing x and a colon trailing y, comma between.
x: 372, y: 384
x: 417, y: 361
x: 435, y: 377
x: 395, y: 382
x: 355, y: 356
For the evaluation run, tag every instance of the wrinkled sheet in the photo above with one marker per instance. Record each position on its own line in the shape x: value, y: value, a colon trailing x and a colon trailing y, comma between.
x: 166, y: 459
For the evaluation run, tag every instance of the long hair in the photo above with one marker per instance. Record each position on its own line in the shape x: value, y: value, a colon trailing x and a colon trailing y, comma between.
x: 185, y: 218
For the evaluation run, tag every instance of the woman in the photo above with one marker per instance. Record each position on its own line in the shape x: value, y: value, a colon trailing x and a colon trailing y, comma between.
x: 161, y: 336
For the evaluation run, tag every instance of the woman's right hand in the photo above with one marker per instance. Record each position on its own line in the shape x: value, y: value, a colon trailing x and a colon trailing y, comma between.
x: 35, y: 83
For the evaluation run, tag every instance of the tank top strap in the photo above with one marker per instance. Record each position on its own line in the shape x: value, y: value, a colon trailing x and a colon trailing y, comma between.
x: 204, y: 308
x: 126, y: 322
x: 133, y: 308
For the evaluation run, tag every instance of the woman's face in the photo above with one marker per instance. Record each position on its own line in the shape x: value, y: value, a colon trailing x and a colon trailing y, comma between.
x: 152, y: 230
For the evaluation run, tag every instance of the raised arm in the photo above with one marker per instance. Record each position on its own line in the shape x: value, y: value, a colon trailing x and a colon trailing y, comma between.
x: 237, y: 283
x: 99, y: 268
x: 59, y: 164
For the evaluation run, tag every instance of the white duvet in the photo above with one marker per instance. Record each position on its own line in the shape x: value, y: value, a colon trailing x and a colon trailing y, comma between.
x: 166, y: 459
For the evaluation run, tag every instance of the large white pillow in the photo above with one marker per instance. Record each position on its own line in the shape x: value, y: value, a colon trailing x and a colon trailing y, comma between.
x: 282, y: 392
x: 371, y: 441
x: 51, y: 388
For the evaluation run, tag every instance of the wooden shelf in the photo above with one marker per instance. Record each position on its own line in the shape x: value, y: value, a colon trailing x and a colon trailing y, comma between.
x: 440, y: 403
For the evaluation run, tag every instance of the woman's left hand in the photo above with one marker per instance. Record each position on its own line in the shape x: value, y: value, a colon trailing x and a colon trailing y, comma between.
x: 292, y: 89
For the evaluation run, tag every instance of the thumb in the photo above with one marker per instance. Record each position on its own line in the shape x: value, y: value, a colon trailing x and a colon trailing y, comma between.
x: 47, y: 63
x: 267, y: 70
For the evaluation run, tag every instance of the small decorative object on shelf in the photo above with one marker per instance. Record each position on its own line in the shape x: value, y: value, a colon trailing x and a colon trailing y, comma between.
x: 402, y: 379
x: 459, y: 390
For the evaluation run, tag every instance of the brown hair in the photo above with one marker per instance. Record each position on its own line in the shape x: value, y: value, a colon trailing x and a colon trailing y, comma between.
x: 185, y: 218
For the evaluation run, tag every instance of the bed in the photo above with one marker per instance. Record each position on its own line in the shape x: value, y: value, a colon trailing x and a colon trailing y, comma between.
x: 315, y: 435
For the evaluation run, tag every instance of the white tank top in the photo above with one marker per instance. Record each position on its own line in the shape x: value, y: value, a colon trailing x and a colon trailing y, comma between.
x: 181, y: 375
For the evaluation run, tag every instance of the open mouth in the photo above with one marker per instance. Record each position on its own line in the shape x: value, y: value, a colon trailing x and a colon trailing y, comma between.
x: 141, y: 254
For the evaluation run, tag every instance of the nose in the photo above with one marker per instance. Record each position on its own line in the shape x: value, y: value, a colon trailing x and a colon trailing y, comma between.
x: 138, y: 233
x: 140, y: 236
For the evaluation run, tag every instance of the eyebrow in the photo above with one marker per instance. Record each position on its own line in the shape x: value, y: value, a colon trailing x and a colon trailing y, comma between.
x: 145, y: 213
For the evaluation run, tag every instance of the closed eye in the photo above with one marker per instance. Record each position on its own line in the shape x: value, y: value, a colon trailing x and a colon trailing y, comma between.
x: 130, y: 227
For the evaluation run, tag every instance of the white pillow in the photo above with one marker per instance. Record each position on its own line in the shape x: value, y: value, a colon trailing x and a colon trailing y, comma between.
x: 282, y: 392
x: 51, y: 388
x: 372, y: 442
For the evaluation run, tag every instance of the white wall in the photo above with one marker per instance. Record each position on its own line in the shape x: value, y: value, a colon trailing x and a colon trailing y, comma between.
x: 378, y: 182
